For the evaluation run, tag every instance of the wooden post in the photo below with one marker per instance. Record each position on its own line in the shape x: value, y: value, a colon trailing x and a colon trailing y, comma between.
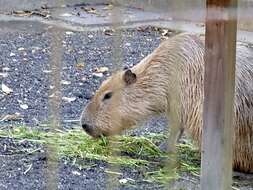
x: 219, y: 83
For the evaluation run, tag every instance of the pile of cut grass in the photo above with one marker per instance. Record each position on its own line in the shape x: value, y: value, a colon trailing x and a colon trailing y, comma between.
x: 131, y: 151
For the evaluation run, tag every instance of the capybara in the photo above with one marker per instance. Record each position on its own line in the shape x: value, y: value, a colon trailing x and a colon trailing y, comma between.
x: 173, y: 72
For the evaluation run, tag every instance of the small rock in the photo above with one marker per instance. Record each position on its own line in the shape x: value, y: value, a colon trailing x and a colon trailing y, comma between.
x: 69, y: 33
x: 21, y: 49
x: 4, y: 75
x: 76, y: 173
x: 6, y: 89
x: 69, y: 99
x: 24, y: 106
x: 47, y: 71
x: 99, y: 75
x: 83, y: 79
x: 123, y: 181
x: 66, y: 15
x: 12, y: 54
x: 51, y: 95
x: 64, y: 82
x: 6, y: 69
x: 109, y: 32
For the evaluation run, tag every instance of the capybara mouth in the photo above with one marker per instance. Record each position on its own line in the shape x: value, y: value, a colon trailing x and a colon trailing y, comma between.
x: 91, y: 131
x: 97, y: 135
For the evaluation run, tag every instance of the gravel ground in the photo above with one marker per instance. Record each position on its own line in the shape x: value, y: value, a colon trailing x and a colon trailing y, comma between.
x: 25, y: 70
x: 24, y: 59
x: 15, y: 162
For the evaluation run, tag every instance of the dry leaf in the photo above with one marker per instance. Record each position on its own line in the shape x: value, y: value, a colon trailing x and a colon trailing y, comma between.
x: 141, y: 29
x: 108, y: 7
x: 89, y: 10
x: 80, y: 66
x: 102, y: 69
x: 44, y: 13
x: 11, y: 117
x: 22, y: 13
x: 6, y: 89
x: 164, y: 32
x: 109, y: 32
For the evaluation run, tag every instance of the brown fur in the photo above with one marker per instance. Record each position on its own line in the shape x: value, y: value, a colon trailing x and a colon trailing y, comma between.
x: 170, y: 80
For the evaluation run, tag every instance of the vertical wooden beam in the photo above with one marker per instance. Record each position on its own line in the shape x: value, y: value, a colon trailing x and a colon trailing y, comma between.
x: 219, y: 83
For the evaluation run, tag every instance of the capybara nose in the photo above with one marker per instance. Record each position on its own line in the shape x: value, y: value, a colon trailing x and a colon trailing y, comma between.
x: 87, y: 128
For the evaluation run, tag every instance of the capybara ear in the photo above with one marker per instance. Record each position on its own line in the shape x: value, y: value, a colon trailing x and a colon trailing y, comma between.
x: 129, y: 77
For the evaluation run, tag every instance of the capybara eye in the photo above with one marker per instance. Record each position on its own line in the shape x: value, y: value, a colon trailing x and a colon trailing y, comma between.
x: 107, y: 96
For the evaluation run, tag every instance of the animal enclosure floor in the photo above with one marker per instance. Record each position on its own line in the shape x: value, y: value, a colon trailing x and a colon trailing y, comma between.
x: 87, y: 61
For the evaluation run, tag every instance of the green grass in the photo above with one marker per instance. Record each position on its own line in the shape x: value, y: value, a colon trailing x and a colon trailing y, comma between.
x: 134, y: 151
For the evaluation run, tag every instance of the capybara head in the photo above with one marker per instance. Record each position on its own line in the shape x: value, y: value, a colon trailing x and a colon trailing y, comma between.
x: 119, y: 103
x: 106, y: 114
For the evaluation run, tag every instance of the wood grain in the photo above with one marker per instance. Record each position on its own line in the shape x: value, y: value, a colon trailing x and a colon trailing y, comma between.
x: 219, y: 85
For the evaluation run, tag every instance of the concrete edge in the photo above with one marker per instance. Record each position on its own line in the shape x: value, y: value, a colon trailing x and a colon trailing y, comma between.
x: 184, y: 26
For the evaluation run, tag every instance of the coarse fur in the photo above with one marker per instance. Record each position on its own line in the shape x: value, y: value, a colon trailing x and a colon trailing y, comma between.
x: 170, y: 81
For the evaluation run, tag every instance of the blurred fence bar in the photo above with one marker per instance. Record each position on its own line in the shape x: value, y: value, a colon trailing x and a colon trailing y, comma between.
x: 219, y: 85
x: 54, y: 105
x: 117, y: 61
